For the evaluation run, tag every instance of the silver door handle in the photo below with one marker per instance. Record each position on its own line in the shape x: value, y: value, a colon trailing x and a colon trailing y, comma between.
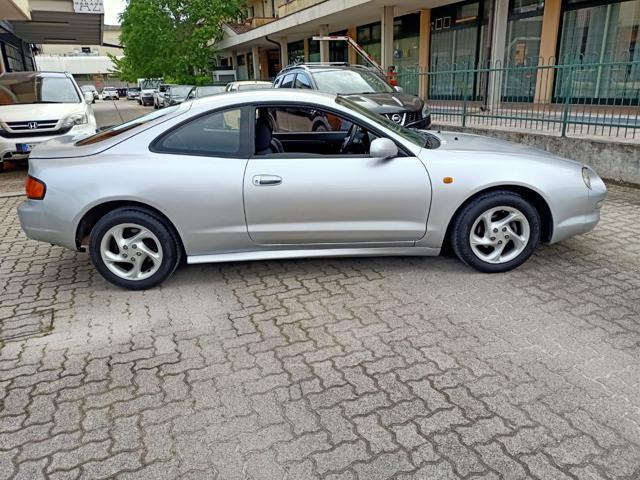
x: 263, y: 180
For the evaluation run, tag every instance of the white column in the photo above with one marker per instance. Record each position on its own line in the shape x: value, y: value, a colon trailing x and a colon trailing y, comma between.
x: 284, y: 52
x: 255, y: 57
x: 498, y: 44
x: 324, y: 46
x: 387, y: 36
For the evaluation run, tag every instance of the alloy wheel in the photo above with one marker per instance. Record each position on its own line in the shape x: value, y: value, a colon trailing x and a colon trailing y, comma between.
x: 499, y: 235
x: 131, y: 251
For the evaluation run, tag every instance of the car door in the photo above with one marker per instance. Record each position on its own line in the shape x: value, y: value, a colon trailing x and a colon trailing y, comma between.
x: 208, y: 155
x: 302, y: 198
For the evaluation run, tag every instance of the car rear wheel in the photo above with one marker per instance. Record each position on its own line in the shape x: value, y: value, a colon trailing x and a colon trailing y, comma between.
x: 133, y: 248
x: 496, y: 232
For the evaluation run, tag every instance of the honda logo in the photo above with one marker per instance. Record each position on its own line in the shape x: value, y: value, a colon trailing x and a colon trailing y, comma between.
x: 32, y: 125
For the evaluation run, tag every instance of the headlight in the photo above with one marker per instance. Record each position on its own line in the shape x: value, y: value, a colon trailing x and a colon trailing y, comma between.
x: 425, y: 111
x: 586, y: 176
x: 76, y: 119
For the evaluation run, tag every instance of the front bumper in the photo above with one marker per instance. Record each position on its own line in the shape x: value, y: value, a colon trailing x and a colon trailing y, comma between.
x: 587, y: 217
x: 8, y: 150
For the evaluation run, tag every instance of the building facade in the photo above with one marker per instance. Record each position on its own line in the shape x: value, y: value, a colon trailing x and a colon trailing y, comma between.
x: 431, y: 36
x: 89, y: 64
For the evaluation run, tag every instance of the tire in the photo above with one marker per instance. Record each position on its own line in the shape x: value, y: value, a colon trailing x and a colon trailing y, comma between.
x: 504, y: 246
x: 158, y: 252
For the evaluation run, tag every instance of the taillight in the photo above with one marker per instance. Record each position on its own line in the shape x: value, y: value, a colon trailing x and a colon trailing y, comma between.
x: 35, y: 188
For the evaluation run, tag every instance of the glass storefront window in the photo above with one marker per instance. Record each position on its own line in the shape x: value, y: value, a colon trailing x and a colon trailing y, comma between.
x: 457, y: 43
x: 406, y: 40
x: 601, y: 33
x: 369, y: 38
x: 524, y: 30
x: 14, y: 58
x: 296, y: 51
x: 338, y: 51
x: 250, y: 72
x: 242, y: 68
x: 314, y: 51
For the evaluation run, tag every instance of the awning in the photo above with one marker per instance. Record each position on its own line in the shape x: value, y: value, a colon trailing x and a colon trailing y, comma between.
x: 58, y: 21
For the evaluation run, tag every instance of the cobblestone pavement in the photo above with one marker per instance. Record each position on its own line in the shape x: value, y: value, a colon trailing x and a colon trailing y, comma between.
x: 327, y: 368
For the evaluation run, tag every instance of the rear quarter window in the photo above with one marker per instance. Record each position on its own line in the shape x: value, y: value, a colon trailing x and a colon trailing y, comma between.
x: 125, y: 127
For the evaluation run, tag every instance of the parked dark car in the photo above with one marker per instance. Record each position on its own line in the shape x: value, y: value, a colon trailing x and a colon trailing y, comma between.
x: 362, y: 85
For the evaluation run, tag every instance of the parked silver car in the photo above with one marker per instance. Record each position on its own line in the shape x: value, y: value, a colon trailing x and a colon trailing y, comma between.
x: 244, y: 176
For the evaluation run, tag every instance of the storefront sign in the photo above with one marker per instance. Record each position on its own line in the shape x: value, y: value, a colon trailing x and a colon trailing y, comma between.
x: 88, y: 6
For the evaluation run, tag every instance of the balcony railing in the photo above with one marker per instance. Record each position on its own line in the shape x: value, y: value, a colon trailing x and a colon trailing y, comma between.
x: 294, y: 6
x: 577, y: 99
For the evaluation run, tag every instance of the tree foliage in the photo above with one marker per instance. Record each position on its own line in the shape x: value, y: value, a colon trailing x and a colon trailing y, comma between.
x: 173, y: 39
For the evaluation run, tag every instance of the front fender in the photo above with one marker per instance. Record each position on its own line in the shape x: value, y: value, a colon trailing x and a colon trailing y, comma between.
x: 558, y: 183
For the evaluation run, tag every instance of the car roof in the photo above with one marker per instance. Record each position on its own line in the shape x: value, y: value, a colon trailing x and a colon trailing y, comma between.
x: 326, y: 67
x: 265, y: 95
x: 25, y: 75
x: 249, y: 82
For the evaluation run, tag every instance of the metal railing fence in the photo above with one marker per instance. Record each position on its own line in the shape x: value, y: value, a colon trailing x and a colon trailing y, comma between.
x: 578, y: 98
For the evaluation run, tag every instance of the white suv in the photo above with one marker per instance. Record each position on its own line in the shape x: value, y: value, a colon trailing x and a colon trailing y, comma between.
x: 38, y: 106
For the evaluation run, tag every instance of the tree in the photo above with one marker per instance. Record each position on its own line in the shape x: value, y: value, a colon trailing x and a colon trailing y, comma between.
x: 173, y: 39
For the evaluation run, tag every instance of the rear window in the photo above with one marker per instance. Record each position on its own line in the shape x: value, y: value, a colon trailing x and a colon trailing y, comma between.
x: 37, y: 89
x: 125, y: 127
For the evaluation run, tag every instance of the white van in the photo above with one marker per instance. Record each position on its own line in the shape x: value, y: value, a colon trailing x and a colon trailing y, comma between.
x: 38, y: 106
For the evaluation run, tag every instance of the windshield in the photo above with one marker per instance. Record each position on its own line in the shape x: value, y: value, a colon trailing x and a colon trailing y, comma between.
x: 37, y: 89
x: 413, y: 136
x: 134, y: 89
x: 350, y: 82
x: 87, y: 88
x: 123, y: 127
x: 181, y: 91
x: 204, y: 91
x: 149, y: 84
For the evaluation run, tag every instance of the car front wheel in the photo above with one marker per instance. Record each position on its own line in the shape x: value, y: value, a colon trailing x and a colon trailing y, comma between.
x: 496, y: 232
x: 133, y: 248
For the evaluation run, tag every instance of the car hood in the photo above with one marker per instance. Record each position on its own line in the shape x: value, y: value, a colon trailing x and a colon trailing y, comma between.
x: 39, y: 111
x: 467, y: 142
x: 387, y: 102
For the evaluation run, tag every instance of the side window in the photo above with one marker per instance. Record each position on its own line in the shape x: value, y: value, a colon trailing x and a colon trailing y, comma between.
x: 217, y: 134
x: 276, y: 84
x: 305, y: 120
x: 287, y: 81
x: 311, y: 131
x: 302, y: 81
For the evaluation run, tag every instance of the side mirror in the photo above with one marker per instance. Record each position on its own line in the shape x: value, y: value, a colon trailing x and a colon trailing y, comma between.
x: 398, y: 89
x: 383, y: 148
x: 88, y: 97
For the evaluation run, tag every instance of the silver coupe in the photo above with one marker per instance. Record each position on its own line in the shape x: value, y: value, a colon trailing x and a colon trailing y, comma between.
x: 250, y: 176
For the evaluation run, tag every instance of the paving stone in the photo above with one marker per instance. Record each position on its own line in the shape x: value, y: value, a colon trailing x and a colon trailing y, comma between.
x: 327, y: 368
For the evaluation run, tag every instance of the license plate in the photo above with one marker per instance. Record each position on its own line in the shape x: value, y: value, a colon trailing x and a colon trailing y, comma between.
x: 25, y: 147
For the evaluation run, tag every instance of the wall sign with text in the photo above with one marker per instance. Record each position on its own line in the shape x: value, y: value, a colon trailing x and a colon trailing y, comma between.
x: 88, y: 6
